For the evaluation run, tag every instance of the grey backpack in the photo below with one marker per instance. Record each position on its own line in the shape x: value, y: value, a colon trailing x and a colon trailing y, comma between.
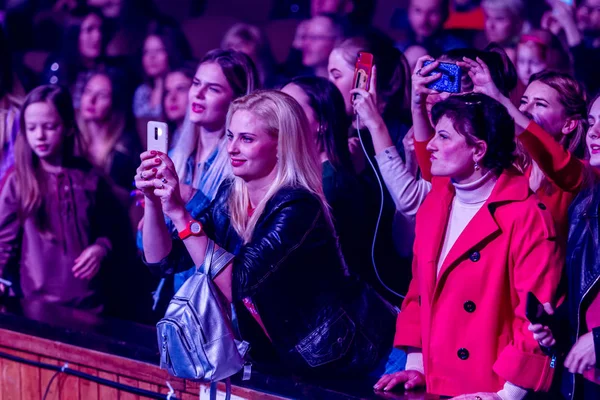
x: 196, y: 336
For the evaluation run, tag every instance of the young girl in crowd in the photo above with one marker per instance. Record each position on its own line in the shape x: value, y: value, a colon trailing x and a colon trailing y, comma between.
x: 200, y: 156
x: 165, y: 48
x: 273, y: 220
x: 56, y: 210
x: 175, y: 101
x: 483, y: 241
x: 103, y: 123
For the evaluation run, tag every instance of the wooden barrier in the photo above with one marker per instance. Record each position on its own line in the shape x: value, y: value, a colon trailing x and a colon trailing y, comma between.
x: 24, y: 382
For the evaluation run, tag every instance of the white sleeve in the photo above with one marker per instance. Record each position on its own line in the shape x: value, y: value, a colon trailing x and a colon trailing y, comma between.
x: 414, y: 362
x: 512, y: 392
x: 407, y: 191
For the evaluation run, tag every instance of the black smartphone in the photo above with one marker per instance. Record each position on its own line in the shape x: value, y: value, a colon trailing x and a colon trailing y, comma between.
x: 450, y: 81
x: 535, y: 313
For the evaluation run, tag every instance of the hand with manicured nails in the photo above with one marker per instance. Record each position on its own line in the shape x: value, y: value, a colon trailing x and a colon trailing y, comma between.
x: 582, y: 356
x: 421, y: 78
x: 166, y: 187
x: 146, y: 173
x: 89, y: 261
x: 411, y: 379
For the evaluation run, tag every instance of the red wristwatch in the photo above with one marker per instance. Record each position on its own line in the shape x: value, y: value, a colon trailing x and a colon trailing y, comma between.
x: 193, y: 228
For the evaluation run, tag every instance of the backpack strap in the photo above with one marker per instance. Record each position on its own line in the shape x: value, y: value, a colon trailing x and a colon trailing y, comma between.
x: 220, y: 259
x: 208, y: 255
x: 213, y: 390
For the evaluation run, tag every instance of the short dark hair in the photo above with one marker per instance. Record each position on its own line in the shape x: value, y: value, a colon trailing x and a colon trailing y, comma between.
x: 330, y: 110
x: 479, y: 117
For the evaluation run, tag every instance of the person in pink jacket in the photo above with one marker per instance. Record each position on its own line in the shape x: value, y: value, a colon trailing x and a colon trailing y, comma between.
x: 483, y: 241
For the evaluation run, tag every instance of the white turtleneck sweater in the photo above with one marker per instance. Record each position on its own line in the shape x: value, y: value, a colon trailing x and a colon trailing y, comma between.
x: 468, y: 200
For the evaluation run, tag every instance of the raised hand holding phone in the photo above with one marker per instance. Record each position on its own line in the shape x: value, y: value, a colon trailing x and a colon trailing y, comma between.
x: 422, y: 76
x: 365, y: 101
x: 450, y: 77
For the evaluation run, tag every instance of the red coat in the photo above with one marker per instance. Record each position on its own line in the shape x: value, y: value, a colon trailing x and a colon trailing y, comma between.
x: 470, y: 320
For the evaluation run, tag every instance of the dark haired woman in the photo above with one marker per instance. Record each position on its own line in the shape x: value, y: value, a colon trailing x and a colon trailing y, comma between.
x: 328, y: 122
x: 82, y: 53
x: 165, y: 48
x: 393, y: 88
x: 175, y: 99
x: 103, y: 122
x: 483, y: 241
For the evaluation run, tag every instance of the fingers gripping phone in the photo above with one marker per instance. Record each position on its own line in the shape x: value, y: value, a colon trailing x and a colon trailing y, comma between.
x: 362, y: 72
x: 449, y: 81
x: 535, y: 313
x: 158, y: 136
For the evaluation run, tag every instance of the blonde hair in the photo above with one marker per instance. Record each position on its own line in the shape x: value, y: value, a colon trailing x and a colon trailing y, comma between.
x: 298, y: 163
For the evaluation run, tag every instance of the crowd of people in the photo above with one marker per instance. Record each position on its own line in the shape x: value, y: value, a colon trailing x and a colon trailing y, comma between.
x: 391, y: 233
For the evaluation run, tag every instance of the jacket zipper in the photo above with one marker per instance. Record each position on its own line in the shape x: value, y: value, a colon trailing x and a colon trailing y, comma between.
x: 579, y: 325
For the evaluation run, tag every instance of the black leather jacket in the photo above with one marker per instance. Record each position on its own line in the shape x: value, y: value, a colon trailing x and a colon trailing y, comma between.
x: 583, y: 264
x: 318, y: 318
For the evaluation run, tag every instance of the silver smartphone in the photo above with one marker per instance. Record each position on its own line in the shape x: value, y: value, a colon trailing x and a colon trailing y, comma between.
x: 158, y: 136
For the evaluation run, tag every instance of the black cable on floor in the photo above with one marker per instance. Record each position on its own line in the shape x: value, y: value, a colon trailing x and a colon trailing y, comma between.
x: 79, y: 374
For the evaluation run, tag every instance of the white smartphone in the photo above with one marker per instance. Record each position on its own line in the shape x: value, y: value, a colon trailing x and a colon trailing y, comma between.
x: 158, y: 136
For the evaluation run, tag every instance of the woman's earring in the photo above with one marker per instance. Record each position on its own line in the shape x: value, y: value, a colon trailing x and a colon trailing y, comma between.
x: 476, y: 166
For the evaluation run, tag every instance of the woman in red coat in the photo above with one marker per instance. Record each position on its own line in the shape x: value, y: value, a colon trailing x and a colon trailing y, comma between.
x: 483, y: 241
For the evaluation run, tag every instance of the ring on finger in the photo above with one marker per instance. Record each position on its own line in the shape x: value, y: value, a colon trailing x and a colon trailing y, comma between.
x: 164, y: 180
x: 419, y: 72
x: 477, y: 397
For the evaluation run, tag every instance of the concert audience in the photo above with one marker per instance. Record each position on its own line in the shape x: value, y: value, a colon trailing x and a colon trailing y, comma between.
x: 325, y: 195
